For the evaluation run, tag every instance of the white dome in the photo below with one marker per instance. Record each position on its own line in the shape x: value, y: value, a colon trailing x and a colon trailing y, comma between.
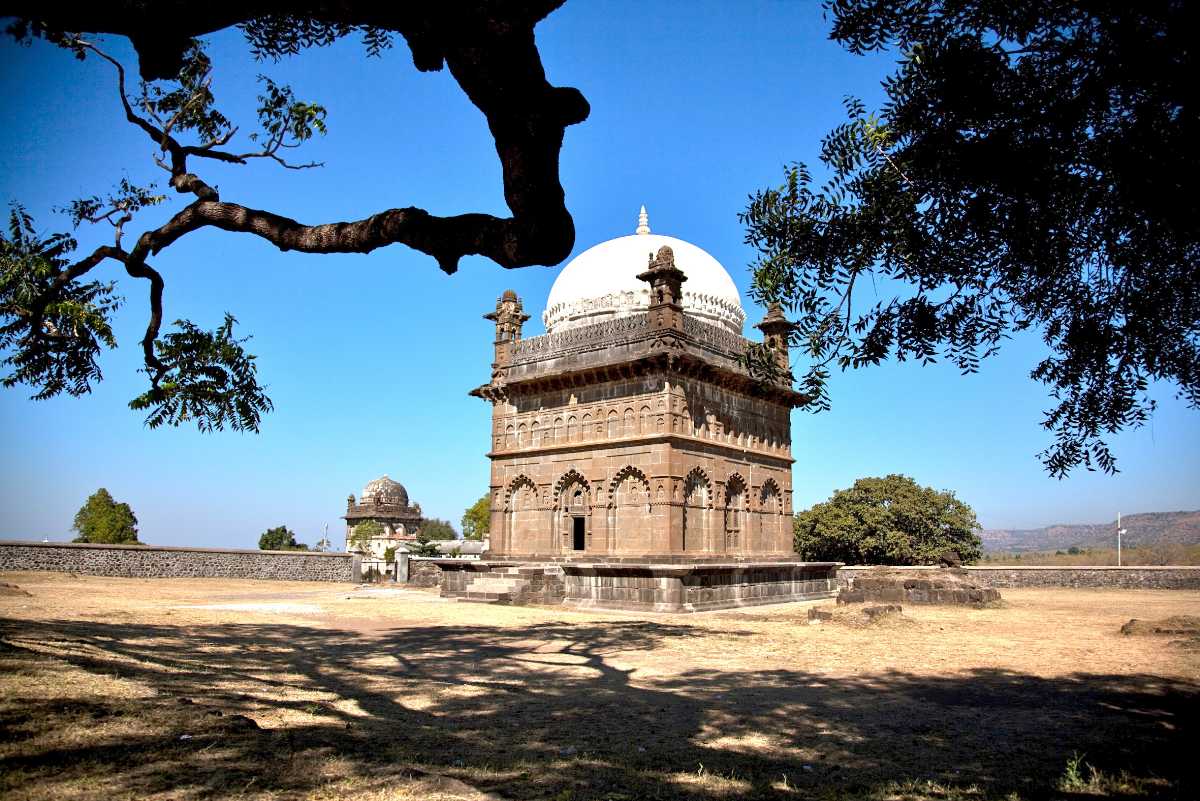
x: 601, y: 283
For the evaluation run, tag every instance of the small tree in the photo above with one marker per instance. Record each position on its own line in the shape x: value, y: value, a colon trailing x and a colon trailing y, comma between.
x: 389, y: 554
x: 888, y: 521
x: 424, y: 545
x: 280, y: 538
x: 477, y: 520
x: 437, y: 529
x: 103, y: 520
x: 362, y: 534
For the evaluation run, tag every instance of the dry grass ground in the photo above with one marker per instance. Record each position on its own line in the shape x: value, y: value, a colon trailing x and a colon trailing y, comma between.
x: 169, y: 689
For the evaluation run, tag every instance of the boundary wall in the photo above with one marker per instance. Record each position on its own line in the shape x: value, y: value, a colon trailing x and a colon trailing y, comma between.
x: 1100, y: 577
x: 161, y: 561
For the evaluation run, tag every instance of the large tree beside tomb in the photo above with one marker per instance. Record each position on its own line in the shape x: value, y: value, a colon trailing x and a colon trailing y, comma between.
x: 102, y: 520
x: 437, y: 529
x: 56, y: 304
x: 1033, y: 167
x: 280, y: 538
x: 888, y: 521
x: 477, y: 519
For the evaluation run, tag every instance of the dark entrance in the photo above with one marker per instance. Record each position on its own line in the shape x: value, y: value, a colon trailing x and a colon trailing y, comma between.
x: 577, y: 533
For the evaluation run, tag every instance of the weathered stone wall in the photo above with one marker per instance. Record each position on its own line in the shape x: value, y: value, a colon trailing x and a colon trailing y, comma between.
x: 156, y: 561
x: 1143, y: 578
x: 423, y: 573
x: 695, y: 588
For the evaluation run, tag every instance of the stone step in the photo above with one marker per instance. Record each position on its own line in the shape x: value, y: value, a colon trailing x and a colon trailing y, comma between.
x: 495, y: 585
x: 486, y: 597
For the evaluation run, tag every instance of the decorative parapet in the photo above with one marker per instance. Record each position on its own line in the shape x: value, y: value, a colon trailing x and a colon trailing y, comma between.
x: 634, y: 327
x: 727, y: 342
x: 583, y: 338
x: 382, y: 510
x: 694, y: 303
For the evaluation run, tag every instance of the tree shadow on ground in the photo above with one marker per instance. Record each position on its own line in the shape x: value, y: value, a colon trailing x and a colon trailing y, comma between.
x: 543, y: 711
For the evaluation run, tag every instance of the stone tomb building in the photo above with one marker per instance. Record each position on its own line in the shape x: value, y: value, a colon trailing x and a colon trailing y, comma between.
x: 383, y: 501
x: 631, y: 450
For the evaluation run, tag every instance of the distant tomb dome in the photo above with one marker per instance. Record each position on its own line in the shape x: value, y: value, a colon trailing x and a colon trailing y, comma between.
x: 385, y: 490
x: 601, y: 283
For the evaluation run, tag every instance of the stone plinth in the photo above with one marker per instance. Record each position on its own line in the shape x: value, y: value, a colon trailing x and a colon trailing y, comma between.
x: 695, y: 587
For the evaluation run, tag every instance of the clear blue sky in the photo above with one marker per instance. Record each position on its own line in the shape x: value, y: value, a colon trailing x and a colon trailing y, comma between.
x: 369, y: 358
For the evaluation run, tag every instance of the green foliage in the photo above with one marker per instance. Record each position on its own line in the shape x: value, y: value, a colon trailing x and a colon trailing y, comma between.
x: 52, y: 326
x: 477, y: 520
x: 208, y: 378
x: 363, y: 533
x: 285, y: 119
x: 103, y: 520
x: 127, y: 199
x: 1024, y: 173
x: 280, y: 538
x: 276, y: 35
x: 187, y: 103
x: 888, y: 521
x: 424, y: 545
x: 437, y: 529
x: 389, y: 555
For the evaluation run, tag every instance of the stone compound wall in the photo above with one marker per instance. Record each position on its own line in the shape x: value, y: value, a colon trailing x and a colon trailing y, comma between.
x: 156, y: 561
x: 1140, y: 578
x: 423, y: 572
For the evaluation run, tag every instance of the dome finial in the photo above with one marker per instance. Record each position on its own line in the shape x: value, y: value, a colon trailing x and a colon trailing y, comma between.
x: 643, y: 222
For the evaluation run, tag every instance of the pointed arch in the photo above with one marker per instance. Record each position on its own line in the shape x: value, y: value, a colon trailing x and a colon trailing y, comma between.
x: 736, y: 504
x: 628, y: 510
x: 571, y: 517
x: 614, y: 425
x: 771, y: 530
x: 520, y: 482
x: 697, y: 500
x: 571, y: 476
x: 522, y: 534
x: 625, y: 473
x: 697, y: 485
x: 771, y: 497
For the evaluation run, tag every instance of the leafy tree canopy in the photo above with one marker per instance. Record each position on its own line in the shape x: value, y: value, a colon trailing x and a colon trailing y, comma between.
x: 436, y: 529
x: 54, y: 323
x: 888, y: 521
x: 103, y: 520
x: 424, y: 546
x: 1034, y: 167
x: 477, y: 520
x: 280, y: 538
x: 363, y: 533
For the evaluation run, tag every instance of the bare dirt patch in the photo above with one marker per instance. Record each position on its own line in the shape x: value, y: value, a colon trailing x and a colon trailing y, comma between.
x: 133, y: 688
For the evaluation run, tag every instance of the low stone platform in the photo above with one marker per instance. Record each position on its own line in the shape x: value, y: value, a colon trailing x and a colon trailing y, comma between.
x: 696, y: 587
x: 639, y: 586
x: 953, y: 586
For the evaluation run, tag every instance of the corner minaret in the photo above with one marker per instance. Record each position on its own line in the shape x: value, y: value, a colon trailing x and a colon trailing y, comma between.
x: 509, y: 318
x: 775, y: 328
x: 666, y: 290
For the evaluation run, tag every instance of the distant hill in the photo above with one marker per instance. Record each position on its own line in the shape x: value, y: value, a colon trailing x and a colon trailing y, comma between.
x: 1146, y: 528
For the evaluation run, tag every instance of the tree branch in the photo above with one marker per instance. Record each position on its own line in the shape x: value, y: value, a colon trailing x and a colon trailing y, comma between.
x: 490, y: 50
